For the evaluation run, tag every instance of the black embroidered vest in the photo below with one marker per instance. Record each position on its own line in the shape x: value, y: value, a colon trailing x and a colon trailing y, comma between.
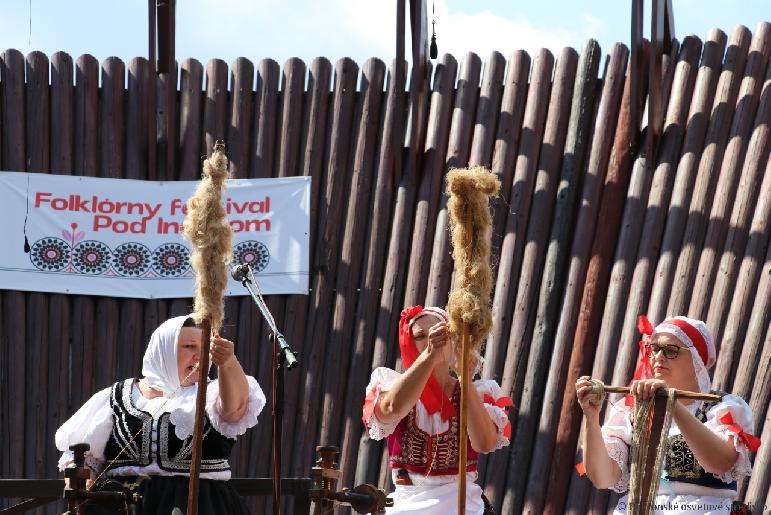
x: 681, y: 464
x: 169, y: 452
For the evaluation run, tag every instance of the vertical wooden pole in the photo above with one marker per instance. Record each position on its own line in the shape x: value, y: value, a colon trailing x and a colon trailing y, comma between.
x: 463, y: 434
x: 200, y: 403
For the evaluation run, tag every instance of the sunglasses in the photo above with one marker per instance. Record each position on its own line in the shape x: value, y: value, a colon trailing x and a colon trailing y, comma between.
x: 670, y: 351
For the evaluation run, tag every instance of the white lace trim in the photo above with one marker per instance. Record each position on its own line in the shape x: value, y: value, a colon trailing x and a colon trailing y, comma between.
x: 376, y: 429
x: 742, y: 467
x: 68, y: 457
x: 183, y: 418
x: 619, y: 452
x: 500, y: 419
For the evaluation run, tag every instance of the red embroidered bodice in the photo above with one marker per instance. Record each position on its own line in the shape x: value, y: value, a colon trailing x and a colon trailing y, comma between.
x: 413, y: 449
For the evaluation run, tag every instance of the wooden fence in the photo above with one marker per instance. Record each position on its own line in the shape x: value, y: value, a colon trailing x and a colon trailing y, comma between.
x: 590, y: 231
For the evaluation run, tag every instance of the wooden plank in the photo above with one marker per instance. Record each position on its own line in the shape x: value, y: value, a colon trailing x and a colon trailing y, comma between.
x: 14, y: 344
x: 292, y: 87
x: 351, y: 255
x: 488, y: 105
x: 744, y: 203
x: 61, y: 162
x: 165, y: 123
x: 592, y: 300
x: 757, y: 331
x: 466, y: 96
x: 752, y: 263
x: 328, y: 241
x: 504, y: 160
x: 13, y: 107
x: 112, y: 119
x: 37, y: 120
x: 507, y: 136
x: 759, y: 491
x: 265, y: 119
x: 556, y: 277
x: 36, y: 384
x: 137, y: 114
x: 728, y: 180
x: 86, y: 115
x: 313, y: 139
x: 706, y: 176
x: 429, y: 192
x: 62, y: 122
x: 240, y: 119
x: 658, y: 202
x: 696, y: 131
x: 37, y: 146
x: 215, y: 104
x: 190, y: 119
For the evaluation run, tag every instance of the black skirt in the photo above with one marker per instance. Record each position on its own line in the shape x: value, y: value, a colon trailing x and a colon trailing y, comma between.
x: 162, y: 494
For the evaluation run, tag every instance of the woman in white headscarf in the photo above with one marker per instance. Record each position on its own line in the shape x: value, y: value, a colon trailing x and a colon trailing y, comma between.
x: 708, y: 442
x: 140, y: 430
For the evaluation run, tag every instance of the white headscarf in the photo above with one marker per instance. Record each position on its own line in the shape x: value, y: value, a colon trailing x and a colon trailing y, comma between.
x: 700, y: 365
x: 159, y: 366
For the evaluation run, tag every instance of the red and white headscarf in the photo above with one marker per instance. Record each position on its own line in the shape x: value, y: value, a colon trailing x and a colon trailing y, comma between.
x: 433, y: 397
x: 692, y: 333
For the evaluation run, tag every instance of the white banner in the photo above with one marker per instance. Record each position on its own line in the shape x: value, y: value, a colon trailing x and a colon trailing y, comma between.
x: 123, y: 238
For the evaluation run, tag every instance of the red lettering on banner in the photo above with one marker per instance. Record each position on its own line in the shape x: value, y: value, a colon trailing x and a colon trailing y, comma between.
x: 101, y: 221
x: 40, y: 197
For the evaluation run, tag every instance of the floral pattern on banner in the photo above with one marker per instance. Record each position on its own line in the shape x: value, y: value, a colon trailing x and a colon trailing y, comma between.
x: 75, y: 255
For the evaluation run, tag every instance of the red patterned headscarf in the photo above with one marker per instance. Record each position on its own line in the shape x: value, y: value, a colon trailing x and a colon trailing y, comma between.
x: 433, y: 397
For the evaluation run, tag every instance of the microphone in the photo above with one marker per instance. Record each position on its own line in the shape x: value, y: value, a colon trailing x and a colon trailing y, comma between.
x: 241, y: 273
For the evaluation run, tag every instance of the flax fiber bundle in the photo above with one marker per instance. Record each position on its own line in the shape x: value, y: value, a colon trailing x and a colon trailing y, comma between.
x: 210, y: 234
x: 469, y: 192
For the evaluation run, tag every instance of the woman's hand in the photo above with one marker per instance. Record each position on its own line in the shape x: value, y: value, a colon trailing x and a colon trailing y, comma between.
x: 590, y: 401
x: 438, y: 344
x: 222, y: 351
x: 646, y: 388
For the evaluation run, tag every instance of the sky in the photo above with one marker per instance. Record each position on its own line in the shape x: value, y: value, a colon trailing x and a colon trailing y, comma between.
x: 359, y: 29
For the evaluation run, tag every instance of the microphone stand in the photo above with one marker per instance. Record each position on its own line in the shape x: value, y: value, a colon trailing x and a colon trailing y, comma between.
x: 283, y: 357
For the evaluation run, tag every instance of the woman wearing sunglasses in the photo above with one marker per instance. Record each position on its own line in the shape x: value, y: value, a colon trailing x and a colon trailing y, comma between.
x: 708, y: 442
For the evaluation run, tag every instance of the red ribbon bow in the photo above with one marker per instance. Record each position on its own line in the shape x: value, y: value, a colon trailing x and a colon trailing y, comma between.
x: 751, y: 441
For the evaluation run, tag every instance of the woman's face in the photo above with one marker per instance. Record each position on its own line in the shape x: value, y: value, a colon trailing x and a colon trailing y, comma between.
x: 420, y: 329
x: 188, y: 352
x: 677, y: 372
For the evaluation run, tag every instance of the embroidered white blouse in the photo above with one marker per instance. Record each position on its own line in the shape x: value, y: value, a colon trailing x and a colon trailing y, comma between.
x: 92, y: 423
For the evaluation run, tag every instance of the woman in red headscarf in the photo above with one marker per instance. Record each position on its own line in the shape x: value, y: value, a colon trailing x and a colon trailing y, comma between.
x: 417, y: 412
x: 708, y: 442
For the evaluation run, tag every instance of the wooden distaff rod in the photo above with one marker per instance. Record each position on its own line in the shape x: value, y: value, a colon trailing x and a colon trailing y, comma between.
x: 697, y: 396
x: 463, y: 436
x: 200, y: 405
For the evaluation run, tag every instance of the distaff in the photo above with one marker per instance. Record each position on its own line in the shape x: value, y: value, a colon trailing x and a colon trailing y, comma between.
x: 469, y: 193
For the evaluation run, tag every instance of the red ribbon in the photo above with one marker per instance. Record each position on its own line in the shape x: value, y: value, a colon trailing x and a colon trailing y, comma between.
x: 751, y: 441
x: 504, y: 403
x: 641, y: 371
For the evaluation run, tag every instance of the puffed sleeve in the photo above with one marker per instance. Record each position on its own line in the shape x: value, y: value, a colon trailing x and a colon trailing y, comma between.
x: 380, y: 381
x: 497, y: 406
x: 91, y: 424
x: 733, y: 417
x: 253, y: 408
x: 617, y: 434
